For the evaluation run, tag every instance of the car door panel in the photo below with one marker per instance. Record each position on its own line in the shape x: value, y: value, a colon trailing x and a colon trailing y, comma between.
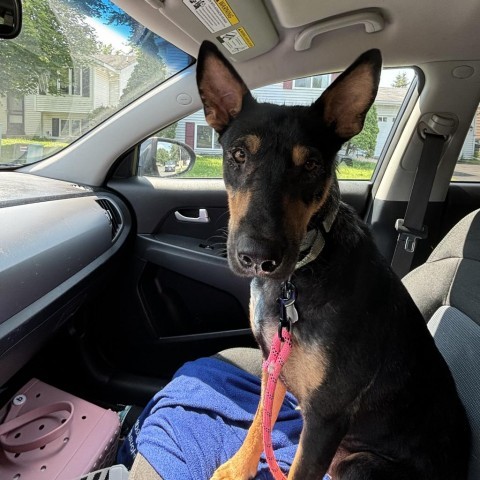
x: 193, y: 284
x: 180, y: 299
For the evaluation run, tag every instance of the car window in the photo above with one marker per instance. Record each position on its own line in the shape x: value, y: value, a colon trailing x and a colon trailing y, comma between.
x: 75, y: 64
x: 467, y: 168
x: 357, y: 159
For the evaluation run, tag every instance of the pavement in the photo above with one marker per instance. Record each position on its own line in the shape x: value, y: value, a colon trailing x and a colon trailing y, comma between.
x: 465, y: 172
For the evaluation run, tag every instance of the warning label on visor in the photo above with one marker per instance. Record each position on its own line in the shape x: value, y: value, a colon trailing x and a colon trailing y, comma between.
x: 216, y: 15
x: 236, y: 41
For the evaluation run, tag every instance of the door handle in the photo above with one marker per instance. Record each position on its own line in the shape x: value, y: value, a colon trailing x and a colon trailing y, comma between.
x: 202, y: 217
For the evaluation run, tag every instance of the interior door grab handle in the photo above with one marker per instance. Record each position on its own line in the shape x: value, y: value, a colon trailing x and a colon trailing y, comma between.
x: 371, y: 20
x: 202, y: 217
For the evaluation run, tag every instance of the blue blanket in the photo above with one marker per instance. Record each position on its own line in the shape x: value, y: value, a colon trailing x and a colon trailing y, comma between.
x: 200, y: 419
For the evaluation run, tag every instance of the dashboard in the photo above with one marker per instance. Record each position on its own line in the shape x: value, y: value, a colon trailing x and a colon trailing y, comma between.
x: 57, y: 242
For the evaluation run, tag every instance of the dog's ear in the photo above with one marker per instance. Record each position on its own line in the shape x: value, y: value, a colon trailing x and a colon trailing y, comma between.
x: 345, y: 103
x: 220, y: 86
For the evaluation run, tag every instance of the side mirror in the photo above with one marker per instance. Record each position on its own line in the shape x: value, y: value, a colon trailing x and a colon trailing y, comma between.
x: 164, y: 157
x: 10, y: 18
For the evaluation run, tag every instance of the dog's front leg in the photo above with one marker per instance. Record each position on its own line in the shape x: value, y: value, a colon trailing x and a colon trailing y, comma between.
x: 319, y: 441
x: 244, y: 464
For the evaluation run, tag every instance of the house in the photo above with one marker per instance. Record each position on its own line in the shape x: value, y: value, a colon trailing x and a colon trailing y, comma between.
x: 79, y: 91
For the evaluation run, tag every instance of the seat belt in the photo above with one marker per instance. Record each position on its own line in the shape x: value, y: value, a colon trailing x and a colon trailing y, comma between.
x: 411, y: 228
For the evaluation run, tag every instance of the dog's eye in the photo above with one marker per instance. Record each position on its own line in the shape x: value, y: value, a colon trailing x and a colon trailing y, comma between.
x: 239, y: 155
x: 311, y: 164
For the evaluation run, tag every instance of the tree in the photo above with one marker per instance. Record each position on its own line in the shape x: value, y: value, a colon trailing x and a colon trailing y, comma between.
x: 162, y: 156
x: 168, y: 132
x: 401, y: 80
x: 54, y: 37
x: 366, y: 140
x: 150, y: 70
x: 105, y: 49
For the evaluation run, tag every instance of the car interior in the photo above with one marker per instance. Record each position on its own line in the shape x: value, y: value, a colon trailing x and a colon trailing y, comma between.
x: 113, y: 273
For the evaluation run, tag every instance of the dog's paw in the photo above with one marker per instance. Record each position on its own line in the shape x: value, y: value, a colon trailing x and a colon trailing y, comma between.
x: 232, y: 471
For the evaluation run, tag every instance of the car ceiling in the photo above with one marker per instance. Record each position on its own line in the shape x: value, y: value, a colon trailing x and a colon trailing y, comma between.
x: 415, y: 32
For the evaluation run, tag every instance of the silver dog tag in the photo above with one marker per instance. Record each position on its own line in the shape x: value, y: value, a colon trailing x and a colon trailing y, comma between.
x: 292, y: 313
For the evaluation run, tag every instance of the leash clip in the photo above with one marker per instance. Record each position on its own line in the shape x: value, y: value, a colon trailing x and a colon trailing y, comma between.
x: 288, y: 312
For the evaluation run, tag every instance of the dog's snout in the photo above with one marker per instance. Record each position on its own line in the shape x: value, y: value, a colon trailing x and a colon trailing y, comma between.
x: 259, y: 256
x: 266, y: 266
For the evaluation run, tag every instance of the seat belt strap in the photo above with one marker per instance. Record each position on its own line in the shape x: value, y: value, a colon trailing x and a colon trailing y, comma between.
x: 411, y: 228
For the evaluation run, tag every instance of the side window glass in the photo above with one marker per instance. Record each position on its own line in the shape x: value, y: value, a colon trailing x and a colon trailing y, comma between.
x: 358, y: 158
x: 467, y: 168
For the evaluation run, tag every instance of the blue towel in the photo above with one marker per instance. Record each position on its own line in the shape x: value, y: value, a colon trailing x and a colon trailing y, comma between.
x: 200, y: 419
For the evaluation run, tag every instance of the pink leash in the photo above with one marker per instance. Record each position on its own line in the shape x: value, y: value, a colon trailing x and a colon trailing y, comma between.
x: 279, y: 353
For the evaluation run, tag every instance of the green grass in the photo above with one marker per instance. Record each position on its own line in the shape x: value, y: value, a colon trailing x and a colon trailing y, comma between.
x: 10, y: 153
x: 211, y: 167
x: 24, y: 141
x: 206, y: 167
x: 359, y: 171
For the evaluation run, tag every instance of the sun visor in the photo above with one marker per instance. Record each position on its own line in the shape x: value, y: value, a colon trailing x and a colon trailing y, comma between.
x: 242, y: 29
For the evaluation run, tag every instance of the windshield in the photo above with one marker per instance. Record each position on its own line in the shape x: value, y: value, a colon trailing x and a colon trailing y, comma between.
x: 76, y: 63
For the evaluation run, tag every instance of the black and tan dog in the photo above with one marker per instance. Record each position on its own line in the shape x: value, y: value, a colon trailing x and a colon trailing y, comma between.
x: 377, y: 398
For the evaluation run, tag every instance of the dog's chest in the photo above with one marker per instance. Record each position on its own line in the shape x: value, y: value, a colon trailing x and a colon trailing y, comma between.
x: 306, y: 367
x: 264, y: 312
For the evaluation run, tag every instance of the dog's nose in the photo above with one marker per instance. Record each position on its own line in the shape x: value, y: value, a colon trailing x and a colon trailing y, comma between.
x: 259, y: 255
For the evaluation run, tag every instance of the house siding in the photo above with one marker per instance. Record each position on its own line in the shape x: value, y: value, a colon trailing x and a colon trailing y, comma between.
x: 124, y: 76
x: 101, y: 86
x: 276, y: 93
x: 114, y: 92
x: 32, y: 116
x: 3, y: 116
x: 61, y: 103
x: 468, y: 149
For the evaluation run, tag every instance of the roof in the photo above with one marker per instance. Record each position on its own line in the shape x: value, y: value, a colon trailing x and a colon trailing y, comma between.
x: 394, y: 95
x: 118, y: 62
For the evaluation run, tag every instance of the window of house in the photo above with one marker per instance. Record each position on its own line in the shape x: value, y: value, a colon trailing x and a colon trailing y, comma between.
x: 317, y: 81
x: 206, y: 137
x: 467, y: 168
x: 69, y: 81
x: 66, y: 127
x: 75, y: 125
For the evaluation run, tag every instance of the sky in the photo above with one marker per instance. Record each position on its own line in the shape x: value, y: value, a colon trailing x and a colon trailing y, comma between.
x: 108, y: 34
x: 389, y: 74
